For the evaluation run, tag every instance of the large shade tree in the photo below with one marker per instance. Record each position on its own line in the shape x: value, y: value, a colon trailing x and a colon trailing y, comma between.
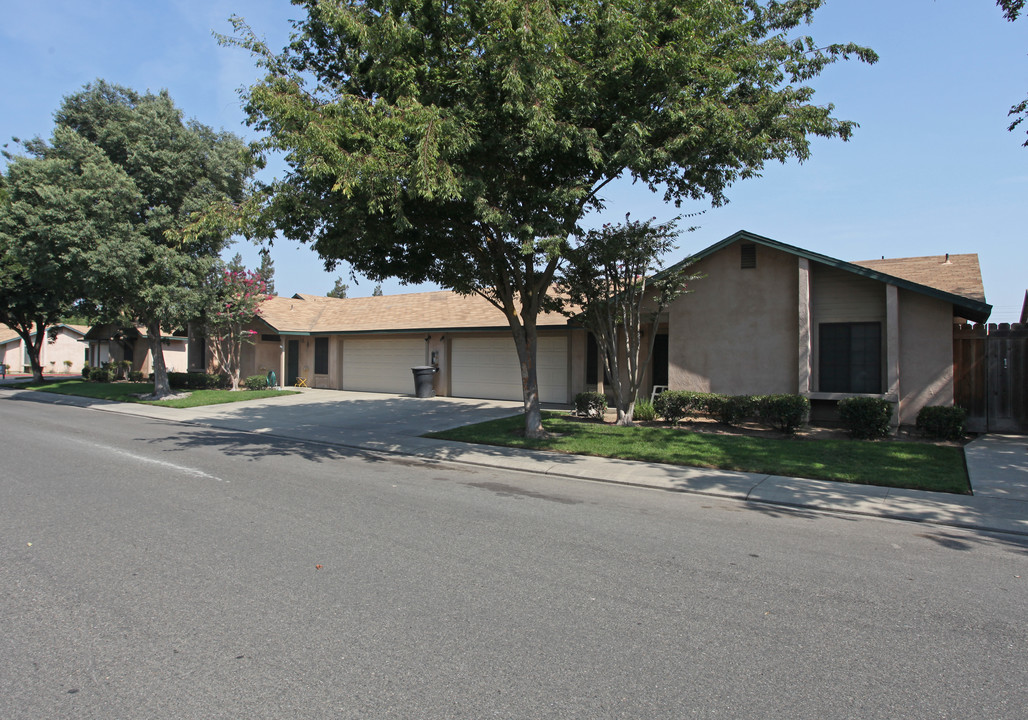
x: 180, y: 169
x: 64, y: 212
x: 464, y: 143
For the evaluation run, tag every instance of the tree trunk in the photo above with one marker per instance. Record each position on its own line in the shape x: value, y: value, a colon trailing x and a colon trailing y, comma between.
x: 526, y: 341
x: 625, y: 415
x: 35, y: 350
x: 34, y: 347
x: 161, y: 386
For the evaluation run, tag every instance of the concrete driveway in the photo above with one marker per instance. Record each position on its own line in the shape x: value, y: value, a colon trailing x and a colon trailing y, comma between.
x: 339, y: 416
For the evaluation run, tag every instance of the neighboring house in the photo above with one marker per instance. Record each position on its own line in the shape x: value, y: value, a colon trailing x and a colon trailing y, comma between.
x: 1024, y: 309
x: 112, y: 343
x: 66, y: 347
x: 371, y: 344
x: 766, y: 318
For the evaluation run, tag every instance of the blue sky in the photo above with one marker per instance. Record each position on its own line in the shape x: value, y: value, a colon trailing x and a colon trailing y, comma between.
x: 931, y: 169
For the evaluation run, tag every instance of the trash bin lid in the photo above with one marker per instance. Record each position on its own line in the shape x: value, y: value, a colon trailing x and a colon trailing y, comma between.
x: 424, y: 368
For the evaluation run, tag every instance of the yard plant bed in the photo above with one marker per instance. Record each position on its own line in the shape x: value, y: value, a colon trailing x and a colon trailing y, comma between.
x: 913, y: 465
x: 131, y: 392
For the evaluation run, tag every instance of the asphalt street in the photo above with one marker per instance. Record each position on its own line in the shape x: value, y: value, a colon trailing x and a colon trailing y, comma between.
x: 155, y: 570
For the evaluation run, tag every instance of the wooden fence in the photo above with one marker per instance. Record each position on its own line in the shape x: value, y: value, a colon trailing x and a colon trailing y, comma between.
x: 990, y: 374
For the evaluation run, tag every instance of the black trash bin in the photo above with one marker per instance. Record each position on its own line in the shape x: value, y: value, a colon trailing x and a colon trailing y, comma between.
x: 424, y: 387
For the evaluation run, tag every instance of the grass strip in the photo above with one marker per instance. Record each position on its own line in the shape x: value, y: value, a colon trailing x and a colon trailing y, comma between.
x: 916, y: 466
x: 129, y: 392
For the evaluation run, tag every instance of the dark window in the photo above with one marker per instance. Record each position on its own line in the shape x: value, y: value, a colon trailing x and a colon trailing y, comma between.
x: 592, y: 360
x: 660, y: 360
x: 270, y: 338
x: 321, y: 356
x: 850, y: 357
x: 749, y: 256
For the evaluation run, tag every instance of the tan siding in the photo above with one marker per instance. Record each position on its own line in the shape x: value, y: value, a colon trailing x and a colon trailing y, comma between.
x: 838, y: 296
x: 926, y: 354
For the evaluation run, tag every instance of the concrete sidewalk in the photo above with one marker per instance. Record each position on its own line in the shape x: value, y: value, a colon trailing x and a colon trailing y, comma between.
x: 997, y: 465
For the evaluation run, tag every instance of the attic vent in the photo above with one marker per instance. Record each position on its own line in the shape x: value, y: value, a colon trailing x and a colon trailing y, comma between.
x: 749, y: 256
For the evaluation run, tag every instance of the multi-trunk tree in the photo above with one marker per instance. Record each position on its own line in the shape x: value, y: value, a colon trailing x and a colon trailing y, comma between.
x: 234, y: 298
x: 618, y: 291
x: 465, y: 143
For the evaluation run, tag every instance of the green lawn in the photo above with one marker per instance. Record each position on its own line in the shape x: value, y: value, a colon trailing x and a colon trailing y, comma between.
x: 128, y: 392
x: 918, y: 466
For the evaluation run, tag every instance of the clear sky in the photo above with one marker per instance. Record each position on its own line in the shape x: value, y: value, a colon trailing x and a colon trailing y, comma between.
x: 931, y: 170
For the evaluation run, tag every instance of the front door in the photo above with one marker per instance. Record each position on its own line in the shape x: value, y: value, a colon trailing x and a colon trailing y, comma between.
x: 292, y: 362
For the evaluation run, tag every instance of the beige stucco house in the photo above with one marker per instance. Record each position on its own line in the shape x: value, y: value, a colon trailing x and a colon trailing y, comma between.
x: 371, y: 344
x: 774, y: 318
x: 113, y: 343
x: 766, y: 318
x: 67, y: 347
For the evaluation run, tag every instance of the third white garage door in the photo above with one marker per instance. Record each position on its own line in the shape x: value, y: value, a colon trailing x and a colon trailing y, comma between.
x: 381, y: 364
x: 489, y: 368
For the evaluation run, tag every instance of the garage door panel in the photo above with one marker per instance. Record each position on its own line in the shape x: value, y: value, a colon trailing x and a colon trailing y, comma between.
x: 489, y: 368
x: 381, y: 364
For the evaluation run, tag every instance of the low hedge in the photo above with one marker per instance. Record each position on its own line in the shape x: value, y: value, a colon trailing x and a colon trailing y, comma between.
x: 256, y: 382
x: 197, y: 381
x: 591, y: 404
x: 785, y: 413
x: 941, y: 422
x: 866, y: 418
x: 730, y: 409
x: 101, y: 374
x: 675, y: 405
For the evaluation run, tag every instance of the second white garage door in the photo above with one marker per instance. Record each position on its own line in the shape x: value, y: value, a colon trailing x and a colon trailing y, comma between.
x: 381, y: 364
x: 489, y: 368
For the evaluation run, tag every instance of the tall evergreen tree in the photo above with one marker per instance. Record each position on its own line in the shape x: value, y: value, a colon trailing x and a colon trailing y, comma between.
x: 267, y: 271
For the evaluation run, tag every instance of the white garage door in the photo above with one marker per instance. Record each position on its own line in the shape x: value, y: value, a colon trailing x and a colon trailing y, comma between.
x: 381, y: 364
x: 489, y: 368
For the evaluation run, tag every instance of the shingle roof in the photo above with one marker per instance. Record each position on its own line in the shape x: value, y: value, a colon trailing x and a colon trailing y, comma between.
x: 411, y: 312
x: 7, y: 334
x: 956, y: 274
x: 968, y: 276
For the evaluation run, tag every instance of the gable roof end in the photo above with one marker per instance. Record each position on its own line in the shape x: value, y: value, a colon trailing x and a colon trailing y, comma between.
x: 963, y: 277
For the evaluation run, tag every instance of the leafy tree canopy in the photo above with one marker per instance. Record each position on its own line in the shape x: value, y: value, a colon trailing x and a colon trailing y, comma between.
x: 464, y: 142
x: 66, y: 208
x: 1011, y: 10
x: 179, y: 169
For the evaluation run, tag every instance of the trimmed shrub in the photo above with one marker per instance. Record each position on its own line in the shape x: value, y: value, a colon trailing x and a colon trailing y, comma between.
x: 942, y: 422
x: 866, y: 418
x: 256, y: 382
x: 590, y: 404
x: 674, y: 405
x: 101, y: 375
x: 85, y: 371
x: 136, y: 375
x: 643, y: 411
x: 196, y: 381
x: 729, y: 409
x: 782, y: 412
